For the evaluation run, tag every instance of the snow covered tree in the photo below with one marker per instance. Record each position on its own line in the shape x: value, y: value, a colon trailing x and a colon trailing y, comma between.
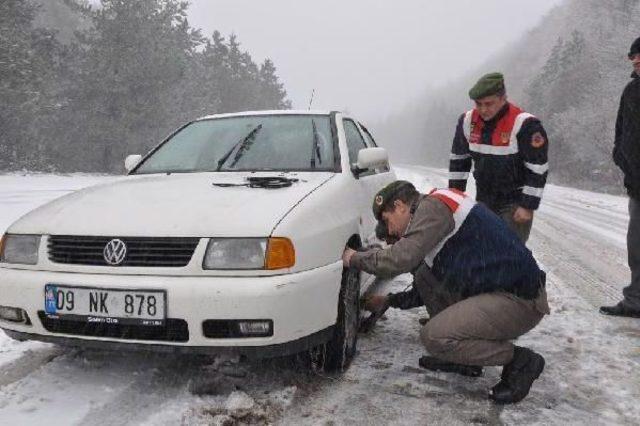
x: 141, y: 74
x: 226, y: 79
x: 131, y: 73
x: 29, y: 61
x: 129, y: 61
x: 569, y: 71
x: 272, y: 93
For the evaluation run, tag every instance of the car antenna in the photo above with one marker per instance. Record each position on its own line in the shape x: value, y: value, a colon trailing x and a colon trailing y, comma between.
x: 313, y: 91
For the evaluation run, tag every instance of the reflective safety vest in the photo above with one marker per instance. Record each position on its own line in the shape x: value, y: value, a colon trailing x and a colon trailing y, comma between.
x: 460, y: 205
x: 503, y: 141
x: 481, y: 254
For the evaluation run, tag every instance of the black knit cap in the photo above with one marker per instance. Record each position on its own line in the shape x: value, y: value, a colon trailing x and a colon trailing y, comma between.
x: 635, y: 48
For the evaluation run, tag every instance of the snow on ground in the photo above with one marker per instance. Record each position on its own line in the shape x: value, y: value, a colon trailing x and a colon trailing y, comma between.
x: 590, y: 378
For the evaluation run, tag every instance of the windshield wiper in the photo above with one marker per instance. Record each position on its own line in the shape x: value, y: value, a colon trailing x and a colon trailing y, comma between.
x: 268, y: 182
x: 315, y: 151
x: 242, y: 143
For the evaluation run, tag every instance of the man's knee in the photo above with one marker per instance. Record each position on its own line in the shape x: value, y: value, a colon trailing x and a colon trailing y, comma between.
x: 436, y: 341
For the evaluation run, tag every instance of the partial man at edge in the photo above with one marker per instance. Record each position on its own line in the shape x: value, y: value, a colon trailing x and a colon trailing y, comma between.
x: 626, y: 154
x: 500, y: 295
x: 508, y: 148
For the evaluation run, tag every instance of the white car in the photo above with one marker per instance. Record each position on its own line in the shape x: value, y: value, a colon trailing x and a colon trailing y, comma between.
x: 227, y: 236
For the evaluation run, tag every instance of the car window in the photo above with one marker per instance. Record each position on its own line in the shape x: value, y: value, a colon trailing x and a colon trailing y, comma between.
x: 371, y: 143
x: 260, y: 142
x: 354, y: 140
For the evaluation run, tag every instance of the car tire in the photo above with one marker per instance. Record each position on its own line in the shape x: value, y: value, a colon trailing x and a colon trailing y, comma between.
x: 336, y: 355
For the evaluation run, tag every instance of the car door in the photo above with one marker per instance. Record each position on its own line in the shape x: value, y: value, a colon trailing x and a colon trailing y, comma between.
x: 375, y: 179
x: 369, y: 182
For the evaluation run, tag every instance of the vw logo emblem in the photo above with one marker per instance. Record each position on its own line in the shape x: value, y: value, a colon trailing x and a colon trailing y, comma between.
x: 114, y: 252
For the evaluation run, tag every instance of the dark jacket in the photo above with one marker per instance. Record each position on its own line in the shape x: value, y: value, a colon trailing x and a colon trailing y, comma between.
x: 626, y: 148
x: 501, y: 180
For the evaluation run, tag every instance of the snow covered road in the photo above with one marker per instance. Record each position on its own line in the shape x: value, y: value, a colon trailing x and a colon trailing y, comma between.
x: 592, y: 361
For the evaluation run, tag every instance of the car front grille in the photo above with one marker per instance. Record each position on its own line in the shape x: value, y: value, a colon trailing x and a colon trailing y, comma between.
x: 140, y: 251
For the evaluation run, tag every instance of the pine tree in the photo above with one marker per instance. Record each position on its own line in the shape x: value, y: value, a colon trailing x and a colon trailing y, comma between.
x: 133, y: 74
x: 228, y: 80
x: 272, y: 92
x: 28, y: 61
x: 132, y: 57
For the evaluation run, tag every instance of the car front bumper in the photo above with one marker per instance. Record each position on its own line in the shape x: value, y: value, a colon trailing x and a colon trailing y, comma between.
x: 302, y: 307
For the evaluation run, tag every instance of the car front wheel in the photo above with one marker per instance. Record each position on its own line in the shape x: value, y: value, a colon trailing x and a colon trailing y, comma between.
x: 337, y: 354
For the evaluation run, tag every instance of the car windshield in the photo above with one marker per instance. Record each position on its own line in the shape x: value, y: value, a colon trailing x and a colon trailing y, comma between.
x: 247, y: 143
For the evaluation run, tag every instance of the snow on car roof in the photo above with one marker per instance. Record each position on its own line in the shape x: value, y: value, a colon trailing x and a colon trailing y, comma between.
x: 267, y: 112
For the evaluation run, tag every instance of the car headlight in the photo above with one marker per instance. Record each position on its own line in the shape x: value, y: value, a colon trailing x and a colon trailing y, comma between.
x: 19, y: 249
x: 249, y: 253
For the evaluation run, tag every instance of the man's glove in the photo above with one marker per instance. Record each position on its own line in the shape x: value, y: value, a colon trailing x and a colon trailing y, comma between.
x: 375, y: 302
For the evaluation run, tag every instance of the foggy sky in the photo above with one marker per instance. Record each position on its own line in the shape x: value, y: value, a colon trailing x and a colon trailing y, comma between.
x: 369, y: 57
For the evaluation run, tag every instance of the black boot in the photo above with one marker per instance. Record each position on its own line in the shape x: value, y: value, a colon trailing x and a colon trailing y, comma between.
x: 518, y: 376
x: 619, y: 310
x: 435, y: 364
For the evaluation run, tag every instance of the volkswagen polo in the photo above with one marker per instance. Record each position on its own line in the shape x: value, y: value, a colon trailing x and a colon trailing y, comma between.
x: 226, y: 237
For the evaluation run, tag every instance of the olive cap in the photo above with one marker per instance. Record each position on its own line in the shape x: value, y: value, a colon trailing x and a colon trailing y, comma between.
x: 386, y: 195
x: 487, y: 85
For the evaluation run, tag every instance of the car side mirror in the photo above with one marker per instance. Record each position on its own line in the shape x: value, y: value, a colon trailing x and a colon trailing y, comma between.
x: 131, y: 161
x: 371, y: 158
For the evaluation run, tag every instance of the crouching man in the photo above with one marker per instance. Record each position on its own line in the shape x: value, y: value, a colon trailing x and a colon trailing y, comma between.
x: 499, y: 287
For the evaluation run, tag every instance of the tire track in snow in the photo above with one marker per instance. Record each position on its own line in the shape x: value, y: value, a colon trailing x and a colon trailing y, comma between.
x: 29, y: 362
x: 585, y: 221
x: 146, y: 394
x: 95, y: 387
x: 596, y: 270
x: 589, y: 377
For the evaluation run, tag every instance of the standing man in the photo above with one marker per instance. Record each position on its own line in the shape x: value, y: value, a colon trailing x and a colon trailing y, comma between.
x: 626, y: 154
x: 473, y: 253
x: 509, y: 151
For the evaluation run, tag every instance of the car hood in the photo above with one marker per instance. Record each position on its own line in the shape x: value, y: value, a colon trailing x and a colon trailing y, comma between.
x: 175, y: 205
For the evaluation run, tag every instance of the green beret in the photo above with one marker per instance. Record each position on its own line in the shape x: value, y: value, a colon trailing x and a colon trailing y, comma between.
x: 489, y: 84
x: 387, y: 194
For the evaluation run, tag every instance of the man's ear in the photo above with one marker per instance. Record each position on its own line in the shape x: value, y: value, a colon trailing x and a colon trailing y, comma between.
x: 397, y: 204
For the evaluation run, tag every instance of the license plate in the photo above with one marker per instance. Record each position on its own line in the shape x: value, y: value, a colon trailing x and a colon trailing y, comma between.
x: 105, y: 305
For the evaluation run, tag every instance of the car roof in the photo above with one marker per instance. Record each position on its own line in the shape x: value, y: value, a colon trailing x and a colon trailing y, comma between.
x: 267, y: 112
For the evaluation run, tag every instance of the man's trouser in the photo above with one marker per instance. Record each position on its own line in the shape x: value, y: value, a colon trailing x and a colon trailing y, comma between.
x: 506, y: 210
x: 435, y: 295
x: 478, y: 330
x: 632, y: 292
x: 522, y: 229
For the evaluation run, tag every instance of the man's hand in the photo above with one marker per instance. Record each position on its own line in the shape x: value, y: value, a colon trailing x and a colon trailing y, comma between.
x: 522, y: 215
x: 375, y: 303
x: 346, y: 257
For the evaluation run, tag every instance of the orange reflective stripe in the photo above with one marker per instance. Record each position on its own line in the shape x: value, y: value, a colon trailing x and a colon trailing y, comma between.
x: 501, y: 135
x: 449, y: 202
